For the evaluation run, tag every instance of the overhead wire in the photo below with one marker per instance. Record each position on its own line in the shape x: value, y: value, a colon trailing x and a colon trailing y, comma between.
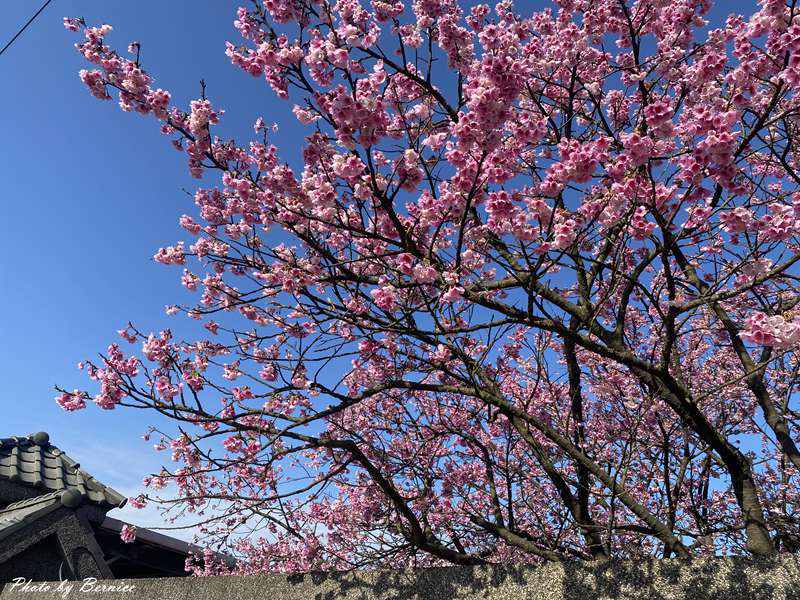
x: 24, y: 27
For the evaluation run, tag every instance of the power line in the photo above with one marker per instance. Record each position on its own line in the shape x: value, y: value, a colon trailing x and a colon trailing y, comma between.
x: 24, y: 27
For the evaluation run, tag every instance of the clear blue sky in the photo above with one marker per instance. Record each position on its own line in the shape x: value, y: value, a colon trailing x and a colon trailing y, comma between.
x: 90, y: 193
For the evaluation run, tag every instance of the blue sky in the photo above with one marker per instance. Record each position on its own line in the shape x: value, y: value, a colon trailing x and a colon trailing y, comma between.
x: 89, y: 194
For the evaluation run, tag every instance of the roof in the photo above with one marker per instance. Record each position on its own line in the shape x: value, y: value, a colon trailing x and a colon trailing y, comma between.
x: 18, y: 514
x: 34, y: 462
x: 155, y: 538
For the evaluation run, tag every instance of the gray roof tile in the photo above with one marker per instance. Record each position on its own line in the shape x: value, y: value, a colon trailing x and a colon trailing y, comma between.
x: 35, y: 462
x: 15, y: 515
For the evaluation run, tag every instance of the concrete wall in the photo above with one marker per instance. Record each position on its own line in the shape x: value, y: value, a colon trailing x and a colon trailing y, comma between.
x: 717, y: 579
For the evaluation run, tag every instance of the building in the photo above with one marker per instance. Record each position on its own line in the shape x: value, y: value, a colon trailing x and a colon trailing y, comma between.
x: 53, y: 522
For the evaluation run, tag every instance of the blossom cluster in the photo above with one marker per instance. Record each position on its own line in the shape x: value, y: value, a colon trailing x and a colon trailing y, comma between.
x: 533, y: 280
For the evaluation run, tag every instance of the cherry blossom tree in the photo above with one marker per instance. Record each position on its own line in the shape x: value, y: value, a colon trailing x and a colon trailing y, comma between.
x: 532, y: 296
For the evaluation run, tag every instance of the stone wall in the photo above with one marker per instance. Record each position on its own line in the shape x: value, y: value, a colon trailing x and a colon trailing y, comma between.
x: 60, y: 541
x: 715, y: 578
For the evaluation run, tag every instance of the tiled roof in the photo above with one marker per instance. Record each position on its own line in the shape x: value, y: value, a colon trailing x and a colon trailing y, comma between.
x: 33, y: 461
x: 166, y: 542
x: 15, y: 515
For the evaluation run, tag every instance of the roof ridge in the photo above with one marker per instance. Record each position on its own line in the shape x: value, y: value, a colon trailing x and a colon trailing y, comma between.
x: 14, y: 518
x: 31, y: 501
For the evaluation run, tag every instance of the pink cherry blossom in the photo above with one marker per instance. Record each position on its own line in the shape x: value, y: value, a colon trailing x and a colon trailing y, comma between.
x: 524, y: 289
x: 774, y: 331
x: 71, y: 401
x: 128, y: 533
